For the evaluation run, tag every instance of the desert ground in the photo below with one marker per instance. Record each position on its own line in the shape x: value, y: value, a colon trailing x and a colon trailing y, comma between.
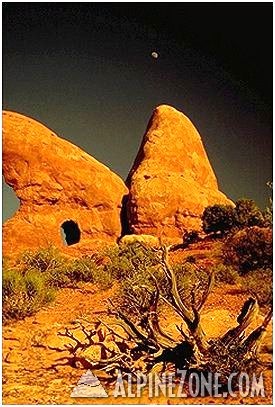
x: 35, y: 371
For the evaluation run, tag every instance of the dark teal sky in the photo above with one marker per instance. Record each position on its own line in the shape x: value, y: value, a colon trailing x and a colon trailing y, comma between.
x: 85, y: 71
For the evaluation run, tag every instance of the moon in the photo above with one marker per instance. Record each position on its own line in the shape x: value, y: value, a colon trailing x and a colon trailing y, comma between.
x: 154, y: 55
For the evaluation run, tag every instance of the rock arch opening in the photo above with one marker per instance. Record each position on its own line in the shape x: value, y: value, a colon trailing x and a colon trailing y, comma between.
x: 70, y: 232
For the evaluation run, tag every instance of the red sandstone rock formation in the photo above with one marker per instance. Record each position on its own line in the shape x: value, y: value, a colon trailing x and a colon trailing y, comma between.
x: 56, y: 182
x: 60, y: 186
x: 171, y: 181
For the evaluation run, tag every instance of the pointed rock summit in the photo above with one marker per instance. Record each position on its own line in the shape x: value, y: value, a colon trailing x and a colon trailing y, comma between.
x: 171, y: 181
x: 62, y: 190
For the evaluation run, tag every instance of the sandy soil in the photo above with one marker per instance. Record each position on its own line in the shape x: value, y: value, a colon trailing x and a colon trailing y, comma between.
x: 34, y: 372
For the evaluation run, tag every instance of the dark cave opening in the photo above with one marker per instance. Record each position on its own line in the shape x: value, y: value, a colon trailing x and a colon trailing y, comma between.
x: 71, y: 233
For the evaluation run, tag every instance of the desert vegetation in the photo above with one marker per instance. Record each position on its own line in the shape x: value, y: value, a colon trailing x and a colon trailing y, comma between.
x: 246, y: 232
x: 133, y: 338
x: 31, y: 282
x: 24, y: 294
x: 220, y: 220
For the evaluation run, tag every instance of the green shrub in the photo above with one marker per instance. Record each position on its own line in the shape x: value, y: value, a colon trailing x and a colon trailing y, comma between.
x: 38, y: 292
x: 132, y: 265
x: 13, y: 282
x: 49, y: 262
x: 259, y: 284
x: 191, y: 282
x: 248, y: 213
x: 123, y: 261
x: 103, y: 277
x: 15, y: 299
x: 60, y: 271
x: 225, y: 274
x: 24, y: 294
x: 135, y: 289
x: 218, y: 219
x: 44, y: 260
x: 32, y: 283
x: 58, y: 278
x: 134, y: 286
x: 31, y: 286
x: 91, y: 269
x: 249, y: 249
x: 82, y: 269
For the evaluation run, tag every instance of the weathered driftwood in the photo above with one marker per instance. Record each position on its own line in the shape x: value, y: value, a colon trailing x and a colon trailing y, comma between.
x: 132, y: 347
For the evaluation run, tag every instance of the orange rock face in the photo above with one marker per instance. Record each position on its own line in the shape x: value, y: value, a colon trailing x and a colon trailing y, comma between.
x: 63, y: 189
x: 60, y: 187
x: 171, y: 181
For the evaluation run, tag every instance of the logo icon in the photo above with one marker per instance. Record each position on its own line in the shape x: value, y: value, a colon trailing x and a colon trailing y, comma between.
x: 89, y: 386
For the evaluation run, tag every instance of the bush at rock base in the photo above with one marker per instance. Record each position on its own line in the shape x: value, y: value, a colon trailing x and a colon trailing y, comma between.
x: 223, y: 219
x: 33, y: 280
x: 249, y: 249
x: 248, y: 213
x: 35, y: 276
x: 135, y: 267
x: 44, y: 260
x: 218, y: 219
x: 24, y: 294
x: 225, y: 274
x: 259, y: 284
x: 135, y: 288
